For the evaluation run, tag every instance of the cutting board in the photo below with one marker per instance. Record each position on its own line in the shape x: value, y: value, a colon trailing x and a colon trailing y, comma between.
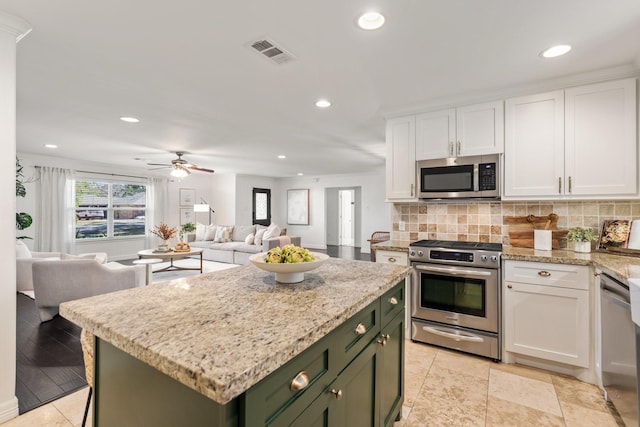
x: 521, y: 229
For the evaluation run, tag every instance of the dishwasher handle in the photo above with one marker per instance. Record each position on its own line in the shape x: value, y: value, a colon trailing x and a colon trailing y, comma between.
x: 615, y: 298
x: 614, y: 288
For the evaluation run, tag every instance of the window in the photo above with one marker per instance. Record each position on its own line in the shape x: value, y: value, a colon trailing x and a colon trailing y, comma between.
x: 262, y: 206
x: 109, y: 209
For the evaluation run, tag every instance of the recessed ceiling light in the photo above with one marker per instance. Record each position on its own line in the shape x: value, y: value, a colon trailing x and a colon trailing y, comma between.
x: 129, y: 119
x: 300, y: 174
x: 282, y: 156
x: 371, y: 21
x: 554, y: 51
x: 50, y: 146
x: 323, y: 103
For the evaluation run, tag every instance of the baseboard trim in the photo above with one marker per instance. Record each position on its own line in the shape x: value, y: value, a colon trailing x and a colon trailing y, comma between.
x: 9, y: 410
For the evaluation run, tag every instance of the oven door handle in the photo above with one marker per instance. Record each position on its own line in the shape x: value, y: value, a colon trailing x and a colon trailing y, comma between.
x: 455, y: 337
x: 453, y: 272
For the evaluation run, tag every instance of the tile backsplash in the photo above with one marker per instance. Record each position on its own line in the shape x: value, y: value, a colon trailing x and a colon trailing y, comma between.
x: 484, y: 221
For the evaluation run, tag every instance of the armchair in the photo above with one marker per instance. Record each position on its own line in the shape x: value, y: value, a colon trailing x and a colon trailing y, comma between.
x: 55, y: 282
x: 25, y: 260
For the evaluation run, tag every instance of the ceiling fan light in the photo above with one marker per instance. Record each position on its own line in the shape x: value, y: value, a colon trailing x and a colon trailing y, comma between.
x: 179, y: 173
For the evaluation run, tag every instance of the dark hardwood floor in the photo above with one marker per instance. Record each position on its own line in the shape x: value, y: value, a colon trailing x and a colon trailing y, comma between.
x: 49, y: 361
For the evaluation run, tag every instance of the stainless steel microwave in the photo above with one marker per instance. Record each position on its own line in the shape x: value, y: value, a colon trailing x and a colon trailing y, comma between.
x: 459, y: 177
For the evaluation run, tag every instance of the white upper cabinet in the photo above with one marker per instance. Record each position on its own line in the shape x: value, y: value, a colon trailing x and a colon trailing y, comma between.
x: 436, y: 134
x: 465, y: 131
x: 401, y: 159
x: 534, y: 147
x: 576, y: 143
x: 600, y: 139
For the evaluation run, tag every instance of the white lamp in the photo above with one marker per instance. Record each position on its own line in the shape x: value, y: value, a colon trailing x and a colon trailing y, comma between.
x: 179, y: 172
x: 203, y: 207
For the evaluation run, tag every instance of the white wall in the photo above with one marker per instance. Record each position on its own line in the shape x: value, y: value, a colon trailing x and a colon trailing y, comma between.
x: 10, y: 29
x: 375, y: 213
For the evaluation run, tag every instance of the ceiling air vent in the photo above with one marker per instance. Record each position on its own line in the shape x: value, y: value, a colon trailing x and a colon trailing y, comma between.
x: 271, y: 51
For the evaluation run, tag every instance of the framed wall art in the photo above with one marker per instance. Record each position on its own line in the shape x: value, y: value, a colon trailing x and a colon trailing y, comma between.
x: 614, y: 234
x: 298, y: 207
x: 187, y: 196
x: 187, y: 215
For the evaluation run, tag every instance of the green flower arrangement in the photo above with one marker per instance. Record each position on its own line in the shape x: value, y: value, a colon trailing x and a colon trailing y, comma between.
x: 580, y: 234
x: 289, y: 254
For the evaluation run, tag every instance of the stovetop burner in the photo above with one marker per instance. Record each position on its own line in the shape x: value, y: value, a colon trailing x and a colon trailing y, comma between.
x: 453, y: 244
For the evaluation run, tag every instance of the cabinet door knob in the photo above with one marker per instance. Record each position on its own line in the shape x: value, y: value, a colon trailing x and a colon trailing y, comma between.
x: 383, y: 339
x: 336, y: 393
x: 300, y: 382
x: 392, y: 259
x: 393, y: 301
x: 509, y: 286
x: 360, y: 329
x: 544, y: 273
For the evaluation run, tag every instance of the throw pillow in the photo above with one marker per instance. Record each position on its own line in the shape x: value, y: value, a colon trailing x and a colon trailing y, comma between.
x: 226, y: 236
x: 259, y: 235
x: 22, y: 251
x: 272, y: 231
x: 210, y: 232
x: 200, y: 231
x: 249, y: 239
x: 240, y: 232
x: 219, y: 237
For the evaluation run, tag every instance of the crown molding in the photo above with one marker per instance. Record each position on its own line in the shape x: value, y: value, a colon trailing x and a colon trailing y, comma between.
x: 18, y: 27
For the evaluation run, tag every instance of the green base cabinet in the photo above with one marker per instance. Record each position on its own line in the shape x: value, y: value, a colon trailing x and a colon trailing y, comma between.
x: 352, y: 377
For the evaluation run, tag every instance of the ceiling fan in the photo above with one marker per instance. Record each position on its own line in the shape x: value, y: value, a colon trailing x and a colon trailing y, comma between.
x: 180, y: 167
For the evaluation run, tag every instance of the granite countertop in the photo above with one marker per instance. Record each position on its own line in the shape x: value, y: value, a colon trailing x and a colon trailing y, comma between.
x: 619, y: 266
x: 220, y: 333
x: 392, y: 245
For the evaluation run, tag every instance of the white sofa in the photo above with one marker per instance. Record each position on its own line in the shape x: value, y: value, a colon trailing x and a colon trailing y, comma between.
x: 237, y: 250
x: 25, y: 259
x: 55, y: 282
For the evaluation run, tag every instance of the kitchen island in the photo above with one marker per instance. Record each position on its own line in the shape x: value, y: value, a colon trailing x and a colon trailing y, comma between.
x: 215, y: 347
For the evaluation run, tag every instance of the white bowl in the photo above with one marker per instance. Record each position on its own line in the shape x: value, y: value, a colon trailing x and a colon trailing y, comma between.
x: 288, y: 272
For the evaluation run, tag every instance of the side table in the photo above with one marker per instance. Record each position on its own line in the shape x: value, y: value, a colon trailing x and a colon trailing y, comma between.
x: 147, y: 262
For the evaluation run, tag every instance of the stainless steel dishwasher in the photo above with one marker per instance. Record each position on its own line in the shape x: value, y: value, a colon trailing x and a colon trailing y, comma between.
x: 619, y: 349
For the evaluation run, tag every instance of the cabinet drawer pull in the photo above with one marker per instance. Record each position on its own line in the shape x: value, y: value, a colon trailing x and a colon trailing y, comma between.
x: 360, y: 329
x: 569, y: 185
x: 544, y: 273
x: 392, y: 259
x: 559, y: 185
x: 336, y: 393
x: 451, y: 148
x: 393, y: 301
x: 300, y: 382
x: 458, y: 149
x: 383, y: 339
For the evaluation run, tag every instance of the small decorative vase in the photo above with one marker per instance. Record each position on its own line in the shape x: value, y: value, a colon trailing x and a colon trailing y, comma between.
x: 583, y: 247
x: 164, y: 246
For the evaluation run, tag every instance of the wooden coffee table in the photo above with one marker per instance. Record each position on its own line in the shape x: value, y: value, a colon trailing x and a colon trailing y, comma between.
x: 172, y: 256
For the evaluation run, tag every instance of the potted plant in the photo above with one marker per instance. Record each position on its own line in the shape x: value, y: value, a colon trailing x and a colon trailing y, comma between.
x: 189, y: 227
x: 581, y: 238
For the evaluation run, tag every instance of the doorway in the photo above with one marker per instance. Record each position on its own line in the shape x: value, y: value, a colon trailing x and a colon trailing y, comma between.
x: 343, y: 218
x: 346, y: 217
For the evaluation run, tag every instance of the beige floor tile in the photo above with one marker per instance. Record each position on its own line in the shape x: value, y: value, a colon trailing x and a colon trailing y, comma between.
x: 579, y: 416
x: 466, y: 364
x: 524, y: 371
x: 413, y: 381
x: 72, y: 405
x: 450, y: 398
x: 441, y: 412
x: 501, y: 413
x: 524, y: 391
x: 46, y: 415
x: 570, y: 390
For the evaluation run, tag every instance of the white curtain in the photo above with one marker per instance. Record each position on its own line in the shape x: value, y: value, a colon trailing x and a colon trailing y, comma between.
x: 54, y: 232
x: 157, y: 201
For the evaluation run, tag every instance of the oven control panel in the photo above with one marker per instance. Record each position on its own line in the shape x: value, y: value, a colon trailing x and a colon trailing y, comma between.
x: 451, y: 256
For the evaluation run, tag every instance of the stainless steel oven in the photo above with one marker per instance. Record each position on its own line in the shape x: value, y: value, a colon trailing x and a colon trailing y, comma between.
x: 456, y: 295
